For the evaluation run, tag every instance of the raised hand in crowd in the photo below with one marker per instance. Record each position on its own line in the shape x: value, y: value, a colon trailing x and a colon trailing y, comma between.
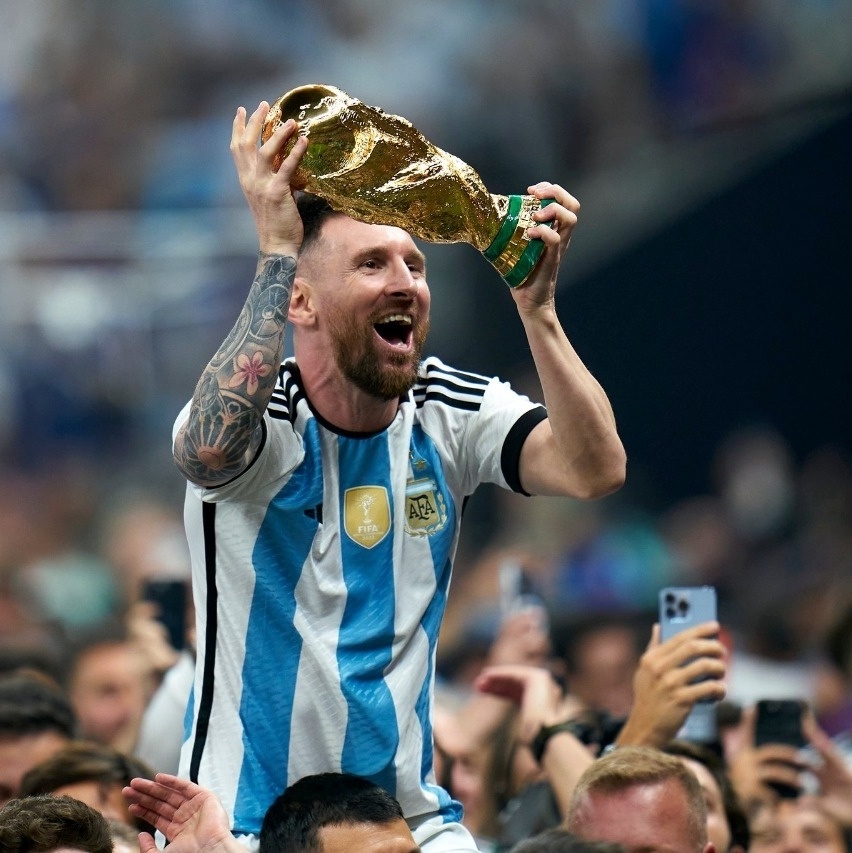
x: 189, y: 816
x: 832, y: 772
x: 671, y: 677
x: 757, y: 771
x: 542, y: 711
x: 523, y: 640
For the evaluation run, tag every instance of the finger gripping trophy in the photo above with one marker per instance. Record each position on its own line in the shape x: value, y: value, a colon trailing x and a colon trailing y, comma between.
x: 378, y: 168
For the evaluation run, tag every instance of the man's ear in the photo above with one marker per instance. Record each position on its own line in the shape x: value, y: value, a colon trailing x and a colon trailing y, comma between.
x: 302, y: 309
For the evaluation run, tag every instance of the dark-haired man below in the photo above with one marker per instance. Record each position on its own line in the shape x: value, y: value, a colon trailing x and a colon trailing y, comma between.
x: 335, y: 813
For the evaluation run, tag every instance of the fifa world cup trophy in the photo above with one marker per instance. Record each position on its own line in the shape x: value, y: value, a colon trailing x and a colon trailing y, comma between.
x: 378, y: 168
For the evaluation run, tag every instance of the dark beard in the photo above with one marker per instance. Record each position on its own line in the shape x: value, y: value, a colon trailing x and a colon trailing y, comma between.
x: 355, y: 355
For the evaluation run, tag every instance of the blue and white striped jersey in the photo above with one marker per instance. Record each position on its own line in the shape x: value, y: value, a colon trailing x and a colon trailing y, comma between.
x: 320, y: 579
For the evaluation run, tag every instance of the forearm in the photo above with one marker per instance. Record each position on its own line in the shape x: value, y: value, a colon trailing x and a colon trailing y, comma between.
x: 222, y: 429
x: 586, y: 458
x: 564, y: 761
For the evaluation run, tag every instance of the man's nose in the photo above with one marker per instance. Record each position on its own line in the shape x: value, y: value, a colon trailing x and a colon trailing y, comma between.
x: 402, y: 279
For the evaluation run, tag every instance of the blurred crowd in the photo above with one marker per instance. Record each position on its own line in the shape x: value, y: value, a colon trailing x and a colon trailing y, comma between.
x: 111, y: 105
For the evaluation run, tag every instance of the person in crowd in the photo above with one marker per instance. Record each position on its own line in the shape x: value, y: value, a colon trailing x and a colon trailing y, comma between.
x: 727, y: 822
x: 48, y: 824
x: 475, y: 747
x: 94, y: 773
x: 799, y: 824
x: 600, y: 652
x: 325, y: 493
x: 643, y: 799
x: 36, y: 720
x: 108, y: 685
x: 671, y: 677
x: 326, y: 812
x: 335, y: 813
x: 817, y: 778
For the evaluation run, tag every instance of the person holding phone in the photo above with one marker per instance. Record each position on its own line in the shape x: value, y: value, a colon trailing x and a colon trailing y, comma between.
x: 765, y: 772
x: 672, y: 677
x: 325, y: 494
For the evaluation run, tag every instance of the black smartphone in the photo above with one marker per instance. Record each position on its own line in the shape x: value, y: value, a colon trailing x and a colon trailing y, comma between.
x: 682, y: 607
x: 170, y: 598
x: 780, y: 721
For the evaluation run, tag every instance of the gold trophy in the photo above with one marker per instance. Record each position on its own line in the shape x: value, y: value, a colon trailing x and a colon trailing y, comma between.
x: 378, y: 168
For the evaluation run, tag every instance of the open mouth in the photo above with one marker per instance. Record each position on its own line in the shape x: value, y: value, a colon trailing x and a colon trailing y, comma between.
x: 395, y: 330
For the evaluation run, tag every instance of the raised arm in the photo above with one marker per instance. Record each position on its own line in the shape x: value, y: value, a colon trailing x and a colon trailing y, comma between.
x: 222, y: 432
x: 563, y: 757
x: 576, y: 451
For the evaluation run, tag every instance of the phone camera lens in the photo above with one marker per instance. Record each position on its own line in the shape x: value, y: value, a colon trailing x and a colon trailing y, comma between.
x: 683, y: 607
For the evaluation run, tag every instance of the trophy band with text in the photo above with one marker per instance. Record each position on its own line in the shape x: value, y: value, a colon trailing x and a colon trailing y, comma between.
x: 378, y: 168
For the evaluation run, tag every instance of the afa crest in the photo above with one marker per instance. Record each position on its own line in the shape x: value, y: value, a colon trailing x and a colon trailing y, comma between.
x: 366, y: 514
x: 425, y: 508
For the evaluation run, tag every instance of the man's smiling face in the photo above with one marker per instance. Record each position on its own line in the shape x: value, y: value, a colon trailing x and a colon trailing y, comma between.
x: 373, y: 300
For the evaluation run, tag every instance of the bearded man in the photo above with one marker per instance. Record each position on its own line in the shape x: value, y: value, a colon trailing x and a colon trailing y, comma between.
x: 325, y: 495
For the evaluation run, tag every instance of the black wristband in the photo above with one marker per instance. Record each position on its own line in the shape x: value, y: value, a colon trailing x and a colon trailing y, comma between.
x: 545, y: 733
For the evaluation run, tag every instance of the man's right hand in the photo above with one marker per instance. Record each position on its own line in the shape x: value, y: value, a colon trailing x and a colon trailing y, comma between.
x: 268, y: 193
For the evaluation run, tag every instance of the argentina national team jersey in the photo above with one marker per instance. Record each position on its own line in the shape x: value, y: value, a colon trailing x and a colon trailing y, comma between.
x: 320, y: 578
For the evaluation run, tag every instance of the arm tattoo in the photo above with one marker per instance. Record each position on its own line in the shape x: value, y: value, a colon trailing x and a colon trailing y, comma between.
x: 235, y: 388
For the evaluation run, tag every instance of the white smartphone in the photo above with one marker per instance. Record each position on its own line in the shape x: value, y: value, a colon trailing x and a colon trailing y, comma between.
x: 682, y: 607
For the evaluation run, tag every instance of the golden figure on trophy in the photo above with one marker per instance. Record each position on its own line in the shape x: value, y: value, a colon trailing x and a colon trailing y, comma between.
x: 379, y: 168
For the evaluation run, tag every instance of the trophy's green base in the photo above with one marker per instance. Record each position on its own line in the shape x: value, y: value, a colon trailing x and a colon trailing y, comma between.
x: 512, y: 253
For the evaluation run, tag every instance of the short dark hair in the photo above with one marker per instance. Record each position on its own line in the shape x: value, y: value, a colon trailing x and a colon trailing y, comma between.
x: 43, y: 823
x: 31, y: 703
x: 82, y: 761
x: 293, y: 821
x: 314, y: 212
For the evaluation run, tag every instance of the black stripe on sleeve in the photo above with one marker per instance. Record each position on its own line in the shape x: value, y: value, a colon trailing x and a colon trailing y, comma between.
x: 205, y: 704
x: 510, y: 458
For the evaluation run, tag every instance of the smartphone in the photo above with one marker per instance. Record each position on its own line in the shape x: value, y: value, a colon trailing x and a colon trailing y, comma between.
x: 682, y: 607
x: 780, y: 721
x: 170, y: 597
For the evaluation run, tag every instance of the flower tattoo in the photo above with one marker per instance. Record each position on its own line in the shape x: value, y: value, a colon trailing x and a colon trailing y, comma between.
x: 249, y: 371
